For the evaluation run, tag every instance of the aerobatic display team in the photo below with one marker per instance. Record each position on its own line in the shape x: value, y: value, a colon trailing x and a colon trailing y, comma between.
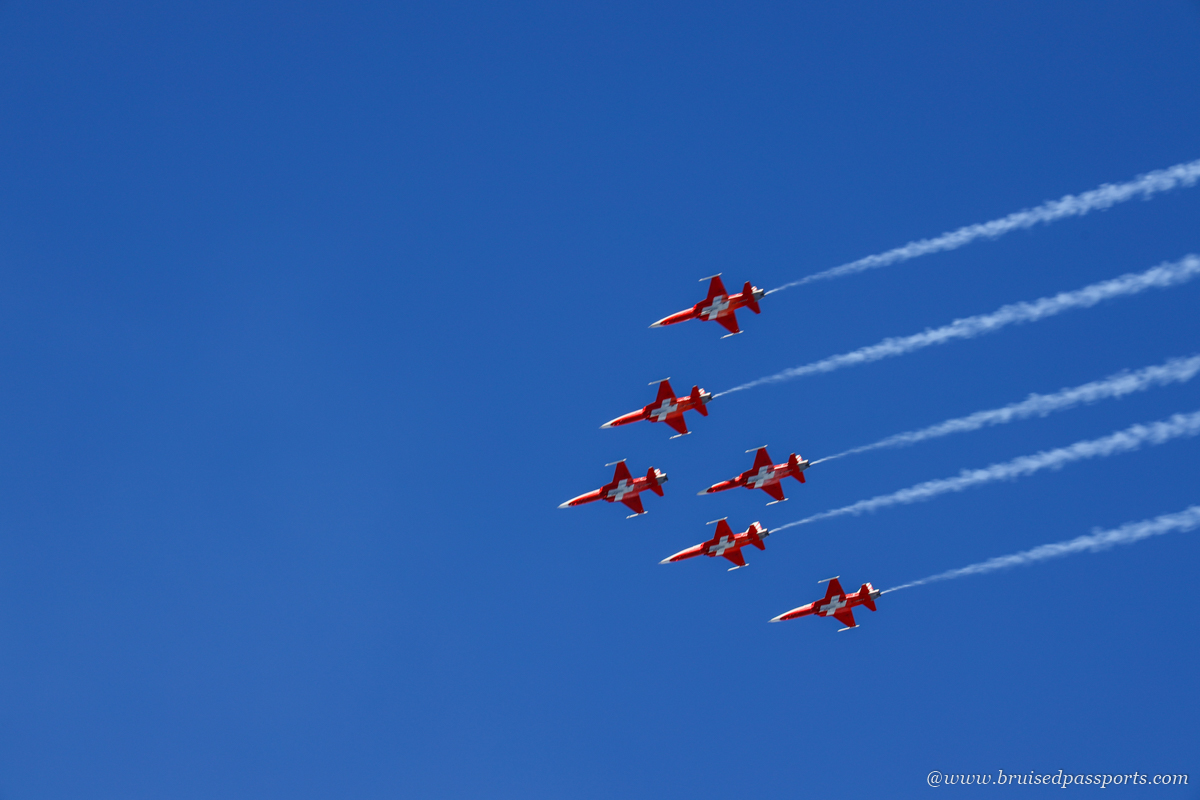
x: 721, y: 307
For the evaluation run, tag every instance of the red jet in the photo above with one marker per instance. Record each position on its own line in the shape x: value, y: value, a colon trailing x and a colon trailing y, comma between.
x: 667, y: 408
x: 765, y: 475
x: 726, y: 543
x: 719, y: 306
x: 624, y: 487
x: 837, y: 604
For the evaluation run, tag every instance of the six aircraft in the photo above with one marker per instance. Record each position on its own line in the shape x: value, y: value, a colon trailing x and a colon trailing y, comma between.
x: 720, y: 307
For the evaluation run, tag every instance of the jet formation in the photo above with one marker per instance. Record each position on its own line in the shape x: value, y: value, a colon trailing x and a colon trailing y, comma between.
x: 720, y: 306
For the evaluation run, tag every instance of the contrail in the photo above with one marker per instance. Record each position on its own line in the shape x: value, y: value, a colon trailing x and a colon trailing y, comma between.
x: 1162, y: 276
x: 1131, y: 532
x: 1106, y: 196
x: 1176, y: 370
x: 1132, y: 438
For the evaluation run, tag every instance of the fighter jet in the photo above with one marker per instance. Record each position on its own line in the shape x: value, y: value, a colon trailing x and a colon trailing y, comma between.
x: 725, y: 543
x: 719, y: 306
x: 625, y: 488
x: 667, y: 408
x: 765, y: 475
x: 837, y: 604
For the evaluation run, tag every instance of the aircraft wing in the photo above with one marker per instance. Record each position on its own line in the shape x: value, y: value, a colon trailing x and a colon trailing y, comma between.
x: 621, y: 473
x: 729, y: 322
x: 677, y: 422
x: 735, y: 556
x: 634, y: 502
x: 846, y: 617
x: 775, y: 490
x: 761, y: 459
x: 834, y: 590
x: 665, y: 391
x: 715, y: 287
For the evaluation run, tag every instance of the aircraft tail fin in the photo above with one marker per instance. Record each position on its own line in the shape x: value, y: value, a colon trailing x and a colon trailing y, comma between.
x: 756, y: 537
x: 748, y: 294
x: 794, y: 467
x: 654, y: 486
x: 865, y: 593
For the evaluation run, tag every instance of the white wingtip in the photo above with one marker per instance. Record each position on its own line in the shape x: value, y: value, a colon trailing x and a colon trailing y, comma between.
x: 739, y: 566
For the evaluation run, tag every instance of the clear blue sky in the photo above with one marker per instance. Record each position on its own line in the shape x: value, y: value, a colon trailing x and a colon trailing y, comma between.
x: 309, y: 317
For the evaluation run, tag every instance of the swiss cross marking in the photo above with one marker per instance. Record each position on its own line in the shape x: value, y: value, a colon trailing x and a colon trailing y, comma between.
x: 622, y: 488
x: 832, y: 606
x: 723, y: 544
x: 714, y: 309
x: 665, y: 410
x: 764, y: 474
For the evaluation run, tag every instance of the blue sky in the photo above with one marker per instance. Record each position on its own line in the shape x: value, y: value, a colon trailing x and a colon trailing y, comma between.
x: 310, y: 315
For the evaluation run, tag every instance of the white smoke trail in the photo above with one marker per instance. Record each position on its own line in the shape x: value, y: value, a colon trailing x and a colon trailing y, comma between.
x: 1131, y: 532
x: 1162, y: 276
x: 1132, y: 438
x: 1106, y: 196
x: 1176, y: 370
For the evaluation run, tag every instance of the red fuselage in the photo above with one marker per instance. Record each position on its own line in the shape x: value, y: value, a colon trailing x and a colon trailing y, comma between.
x: 836, y: 604
x: 719, y: 306
x: 624, y: 488
x: 765, y: 475
x: 667, y: 408
x: 725, y: 543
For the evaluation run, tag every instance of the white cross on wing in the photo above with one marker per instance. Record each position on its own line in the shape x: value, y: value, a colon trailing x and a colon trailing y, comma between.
x: 619, y: 491
x: 665, y: 410
x: 715, y: 308
x: 763, y: 475
x: 723, y: 544
x: 832, y: 606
